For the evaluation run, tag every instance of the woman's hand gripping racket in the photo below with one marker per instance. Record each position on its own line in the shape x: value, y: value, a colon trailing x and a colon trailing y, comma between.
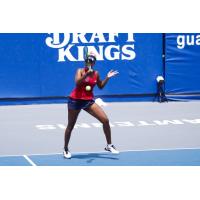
x: 85, y: 52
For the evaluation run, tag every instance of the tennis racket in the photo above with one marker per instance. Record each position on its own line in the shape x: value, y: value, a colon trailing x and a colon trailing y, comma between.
x: 85, y: 52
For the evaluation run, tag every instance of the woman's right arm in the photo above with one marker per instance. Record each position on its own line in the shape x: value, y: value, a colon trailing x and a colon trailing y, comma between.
x: 79, y: 77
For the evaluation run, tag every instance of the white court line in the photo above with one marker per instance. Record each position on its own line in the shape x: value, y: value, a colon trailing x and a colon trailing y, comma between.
x: 137, y: 150
x: 29, y: 160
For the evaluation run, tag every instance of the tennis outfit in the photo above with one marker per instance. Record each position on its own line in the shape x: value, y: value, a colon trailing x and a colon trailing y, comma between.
x: 80, y: 98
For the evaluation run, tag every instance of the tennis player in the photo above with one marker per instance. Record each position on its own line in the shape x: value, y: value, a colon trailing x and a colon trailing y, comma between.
x: 82, y: 98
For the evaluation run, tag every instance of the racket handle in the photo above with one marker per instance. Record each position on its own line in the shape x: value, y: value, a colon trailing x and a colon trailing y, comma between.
x: 90, y: 69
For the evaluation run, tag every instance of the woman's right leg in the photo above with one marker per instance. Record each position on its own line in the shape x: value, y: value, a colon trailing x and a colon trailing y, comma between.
x: 72, y: 117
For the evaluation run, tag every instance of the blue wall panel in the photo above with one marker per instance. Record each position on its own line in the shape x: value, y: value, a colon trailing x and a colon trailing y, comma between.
x: 183, y: 65
x: 44, y: 65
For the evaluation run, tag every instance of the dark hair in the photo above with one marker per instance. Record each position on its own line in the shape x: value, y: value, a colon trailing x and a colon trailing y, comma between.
x: 90, y: 59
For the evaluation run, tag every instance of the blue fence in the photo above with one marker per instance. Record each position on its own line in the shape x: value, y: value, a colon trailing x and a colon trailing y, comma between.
x: 183, y: 66
x: 42, y: 66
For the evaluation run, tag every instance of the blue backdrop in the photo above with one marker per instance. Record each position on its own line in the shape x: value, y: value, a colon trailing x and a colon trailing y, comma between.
x: 183, y: 66
x: 44, y: 65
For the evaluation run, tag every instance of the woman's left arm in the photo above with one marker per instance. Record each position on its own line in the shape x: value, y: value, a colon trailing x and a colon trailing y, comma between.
x: 101, y: 83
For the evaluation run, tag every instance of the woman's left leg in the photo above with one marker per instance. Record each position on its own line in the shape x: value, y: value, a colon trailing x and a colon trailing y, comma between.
x: 97, y: 112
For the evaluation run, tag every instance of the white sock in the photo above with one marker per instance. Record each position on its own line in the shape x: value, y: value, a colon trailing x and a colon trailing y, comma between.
x: 109, y: 145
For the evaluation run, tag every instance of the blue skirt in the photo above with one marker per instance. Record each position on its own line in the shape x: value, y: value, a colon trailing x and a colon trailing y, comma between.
x: 78, y: 104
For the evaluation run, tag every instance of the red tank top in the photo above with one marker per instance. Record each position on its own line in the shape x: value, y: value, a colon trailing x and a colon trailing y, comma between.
x: 80, y: 91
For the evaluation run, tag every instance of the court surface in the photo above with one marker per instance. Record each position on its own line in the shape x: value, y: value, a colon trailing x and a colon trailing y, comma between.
x: 146, y: 133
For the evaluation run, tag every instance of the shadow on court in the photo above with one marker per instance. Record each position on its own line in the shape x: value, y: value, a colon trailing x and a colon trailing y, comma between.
x: 90, y: 157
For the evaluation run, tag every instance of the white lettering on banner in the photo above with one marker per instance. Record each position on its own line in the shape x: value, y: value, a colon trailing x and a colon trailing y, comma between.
x: 80, y: 53
x: 99, y: 51
x: 70, y: 46
x: 79, y: 37
x: 112, y: 37
x: 66, y: 52
x: 130, y: 37
x: 190, y: 40
x: 115, y: 53
x: 125, y: 124
x: 54, y: 42
x: 98, y: 36
x: 130, y: 54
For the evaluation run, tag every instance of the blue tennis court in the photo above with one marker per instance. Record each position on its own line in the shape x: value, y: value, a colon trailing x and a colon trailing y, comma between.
x: 181, y: 157
x: 152, y: 136
x: 138, y: 70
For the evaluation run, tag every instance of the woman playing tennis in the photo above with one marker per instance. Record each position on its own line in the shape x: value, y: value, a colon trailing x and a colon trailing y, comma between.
x: 82, y: 98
